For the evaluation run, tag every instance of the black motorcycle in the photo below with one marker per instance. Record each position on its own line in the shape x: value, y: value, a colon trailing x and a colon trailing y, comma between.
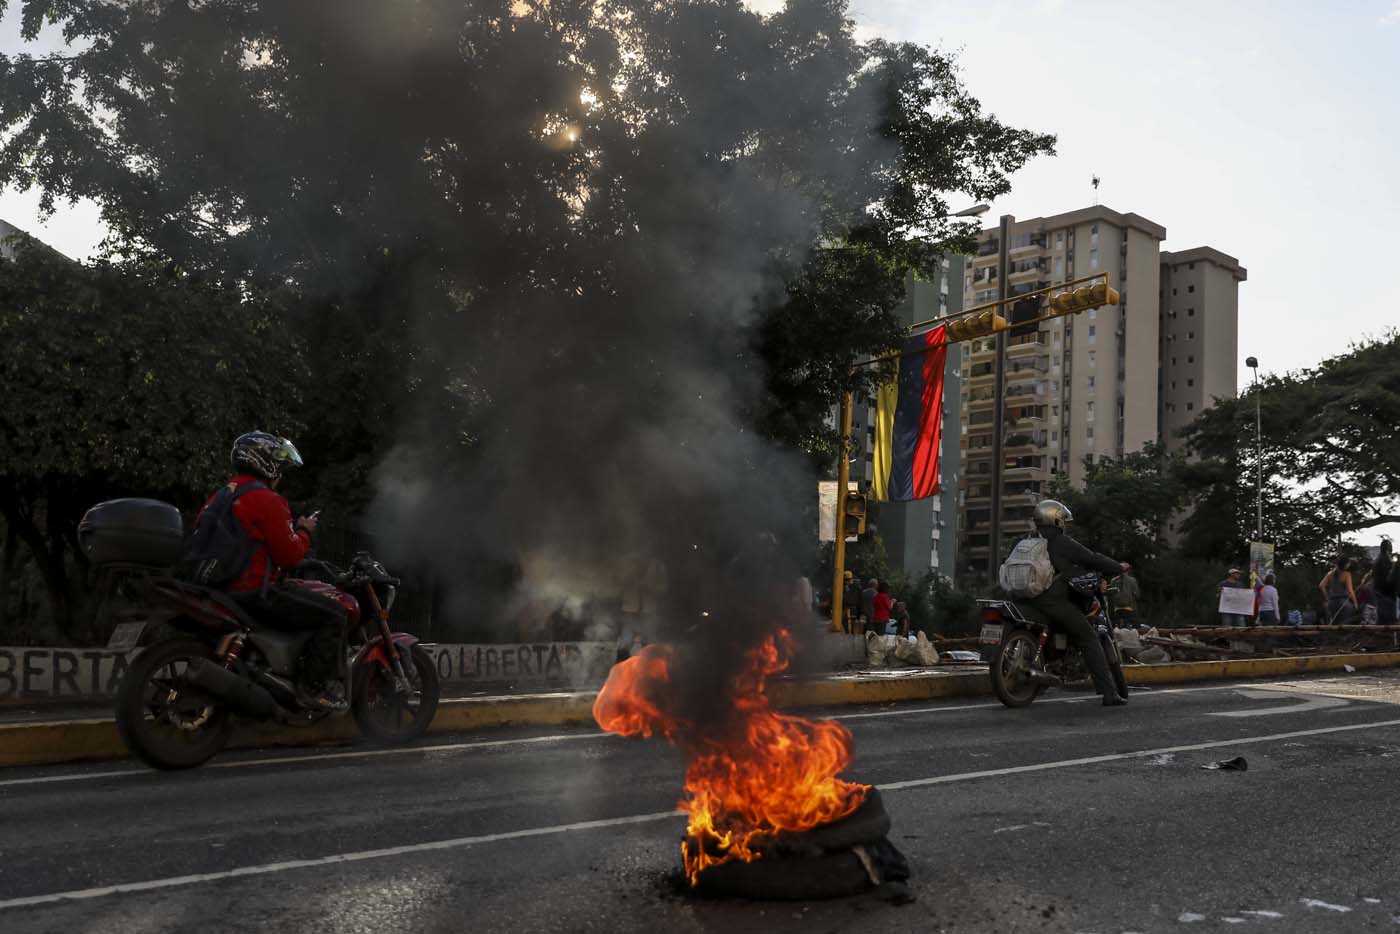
x: 205, y: 658
x: 1028, y: 656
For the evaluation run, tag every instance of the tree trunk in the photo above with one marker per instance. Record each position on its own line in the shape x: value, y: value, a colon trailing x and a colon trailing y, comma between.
x: 48, y: 558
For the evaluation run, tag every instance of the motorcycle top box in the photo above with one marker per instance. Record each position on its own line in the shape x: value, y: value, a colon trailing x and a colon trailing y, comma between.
x: 132, y: 531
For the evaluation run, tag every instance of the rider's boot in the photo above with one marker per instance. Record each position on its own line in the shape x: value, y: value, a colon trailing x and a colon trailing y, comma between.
x: 329, y: 697
x: 1103, y: 678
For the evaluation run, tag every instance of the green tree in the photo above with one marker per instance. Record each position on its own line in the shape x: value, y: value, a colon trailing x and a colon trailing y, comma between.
x: 1330, y: 455
x: 1125, y: 504
x: 123, y: 379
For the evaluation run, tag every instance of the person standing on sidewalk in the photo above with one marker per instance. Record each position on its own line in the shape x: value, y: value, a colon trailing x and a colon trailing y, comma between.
x: 1125, y: 601
x: 1386, y: 580
x: 867, y: 606
x: 1268, y: 602
x: 883, y: 603
x: 1232, y: 580
x: 1337, y: 588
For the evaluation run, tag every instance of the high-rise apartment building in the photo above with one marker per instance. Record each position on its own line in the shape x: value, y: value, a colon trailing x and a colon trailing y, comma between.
x: 1200, y: 339
x: 1086, y: 385
x: 920, y: 535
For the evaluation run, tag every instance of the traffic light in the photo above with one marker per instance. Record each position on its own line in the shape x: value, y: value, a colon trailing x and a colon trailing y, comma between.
x: 1026, y: 310
x: 1083, y: 298
x: 855, y: 510
x: 978, y: 325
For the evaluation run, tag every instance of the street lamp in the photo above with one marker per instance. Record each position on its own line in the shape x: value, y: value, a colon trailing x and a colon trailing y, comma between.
x: 1253, y: 364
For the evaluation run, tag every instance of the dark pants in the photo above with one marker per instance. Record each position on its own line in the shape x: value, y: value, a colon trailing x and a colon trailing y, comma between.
x: 1339, y: 610
x: 1056, y: 608
x: 1385, y: 609
x: 295, y: 609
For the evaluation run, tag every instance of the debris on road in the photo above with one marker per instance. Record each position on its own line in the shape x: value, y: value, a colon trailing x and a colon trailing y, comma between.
x: 1237, y: 764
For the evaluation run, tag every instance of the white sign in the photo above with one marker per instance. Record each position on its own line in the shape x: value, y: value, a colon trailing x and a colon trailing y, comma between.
x: 1238, y: 601
x: 826, y: 510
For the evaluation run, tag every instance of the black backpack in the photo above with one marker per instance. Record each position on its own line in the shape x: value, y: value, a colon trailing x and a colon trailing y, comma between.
x: 219, y: 549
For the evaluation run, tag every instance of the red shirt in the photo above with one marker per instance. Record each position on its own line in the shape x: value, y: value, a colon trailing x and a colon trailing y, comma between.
x: 267, y: 520
x: 883, y: 602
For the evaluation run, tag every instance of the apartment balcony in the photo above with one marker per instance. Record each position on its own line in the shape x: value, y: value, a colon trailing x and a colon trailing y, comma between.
x: 1028, y: 344
x: 1022, y: 276
x: 988, y: 248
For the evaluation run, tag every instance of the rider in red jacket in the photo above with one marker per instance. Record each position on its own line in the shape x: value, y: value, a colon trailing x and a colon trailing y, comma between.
x: 266, y: 519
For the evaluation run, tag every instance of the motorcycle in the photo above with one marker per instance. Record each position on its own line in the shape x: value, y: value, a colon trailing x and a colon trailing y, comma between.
x: 1028, y: 656
x: 205, y: 659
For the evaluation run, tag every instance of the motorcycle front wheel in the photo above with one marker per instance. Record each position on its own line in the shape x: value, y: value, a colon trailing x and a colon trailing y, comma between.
x: 386, y: 717
x: 164, y: 721
x: 1011, y: 669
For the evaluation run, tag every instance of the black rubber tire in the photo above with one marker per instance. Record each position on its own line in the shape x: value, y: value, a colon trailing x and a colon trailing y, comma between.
x: 1013, y: 695
x: 1115, y: 665
x: 373, y: 683
x: 168, y: 747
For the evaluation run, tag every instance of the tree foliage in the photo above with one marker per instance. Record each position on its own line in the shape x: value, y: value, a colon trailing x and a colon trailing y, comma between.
x: 122, y: 379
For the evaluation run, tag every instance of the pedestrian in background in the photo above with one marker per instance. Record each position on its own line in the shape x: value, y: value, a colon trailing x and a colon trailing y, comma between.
x: 1268, y: 602
x: 1366, y: 601
x: 867, y: 606
x: 850, y: 604
x: 1339, y: 593
x: 1385, y: 578
x: 883, y: 603
x: 1232, y: 580
x: 1125, y: 601
x: 900, y: 619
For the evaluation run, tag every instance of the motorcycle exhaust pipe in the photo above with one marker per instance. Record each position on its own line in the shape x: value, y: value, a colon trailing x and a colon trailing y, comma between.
x: 242, y: 695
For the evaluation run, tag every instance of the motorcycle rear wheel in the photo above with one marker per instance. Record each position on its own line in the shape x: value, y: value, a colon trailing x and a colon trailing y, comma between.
x: 1010, y: 669
x: 164, y: 722
x: 380, y: 712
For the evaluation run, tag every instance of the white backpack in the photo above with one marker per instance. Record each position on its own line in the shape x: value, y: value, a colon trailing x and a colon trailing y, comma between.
x: 1027, y: 571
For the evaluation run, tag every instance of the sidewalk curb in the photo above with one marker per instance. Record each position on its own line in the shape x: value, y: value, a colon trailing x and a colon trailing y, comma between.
x: 55, y: 742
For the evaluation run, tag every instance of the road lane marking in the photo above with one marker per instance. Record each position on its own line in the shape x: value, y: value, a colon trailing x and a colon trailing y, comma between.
x: 459, y: 842
x: 269, y: 868
x: 1308, y: 703
x: 1140, y: 754
x: 563, y: 737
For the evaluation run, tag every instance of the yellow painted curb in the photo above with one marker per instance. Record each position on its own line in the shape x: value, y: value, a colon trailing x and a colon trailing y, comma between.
x: 50, y: 743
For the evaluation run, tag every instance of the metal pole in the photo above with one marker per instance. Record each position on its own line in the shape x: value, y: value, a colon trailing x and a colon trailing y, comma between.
x: 1259, y: 463
x: 843, y: 479
x: 998, y: 403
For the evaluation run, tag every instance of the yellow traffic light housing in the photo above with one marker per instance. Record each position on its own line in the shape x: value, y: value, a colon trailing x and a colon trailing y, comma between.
x: 978, y: 325
x: 855, y: 510
x: 1083, y: 298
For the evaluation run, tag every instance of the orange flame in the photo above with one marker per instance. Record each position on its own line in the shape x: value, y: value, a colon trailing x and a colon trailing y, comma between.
x: 758, y: 775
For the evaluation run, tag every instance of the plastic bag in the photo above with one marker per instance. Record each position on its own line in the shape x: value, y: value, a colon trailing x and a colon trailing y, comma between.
x: 928, y: 655
x: 876, y: 653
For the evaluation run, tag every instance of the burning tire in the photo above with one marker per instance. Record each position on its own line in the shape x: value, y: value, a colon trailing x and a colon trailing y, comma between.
x: 1010, y: 666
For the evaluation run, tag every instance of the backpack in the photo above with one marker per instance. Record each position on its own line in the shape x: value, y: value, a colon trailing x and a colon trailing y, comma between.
x: 1027, y: 571
x: 219, y: 550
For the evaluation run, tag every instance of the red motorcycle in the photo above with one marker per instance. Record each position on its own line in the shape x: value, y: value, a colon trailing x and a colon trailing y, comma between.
x: 205, y: 659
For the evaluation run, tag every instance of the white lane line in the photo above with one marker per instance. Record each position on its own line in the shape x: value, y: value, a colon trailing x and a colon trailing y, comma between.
x: 268, y: 868
x: 1140, y: 754
x: 563, y: 737
x: 1136, y: 692
x: 1306, y: 703
x: 324, y: 757
x: 458, y: 842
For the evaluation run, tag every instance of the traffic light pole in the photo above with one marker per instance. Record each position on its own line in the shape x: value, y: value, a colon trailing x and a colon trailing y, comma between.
x: 843, y: 480
x: 998, y: 403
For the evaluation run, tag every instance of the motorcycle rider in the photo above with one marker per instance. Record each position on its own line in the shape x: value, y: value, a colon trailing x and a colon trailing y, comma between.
x: 1056, y: 605
x: 280, y: 544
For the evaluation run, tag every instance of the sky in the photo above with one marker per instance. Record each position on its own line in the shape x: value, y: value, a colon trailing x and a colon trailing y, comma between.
x: 1268, y: 130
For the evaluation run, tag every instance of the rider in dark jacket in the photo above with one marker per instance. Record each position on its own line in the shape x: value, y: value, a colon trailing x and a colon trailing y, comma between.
x: 1055, y: 605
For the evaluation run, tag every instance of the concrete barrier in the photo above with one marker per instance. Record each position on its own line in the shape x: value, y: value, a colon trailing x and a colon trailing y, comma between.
x: 59, y: 741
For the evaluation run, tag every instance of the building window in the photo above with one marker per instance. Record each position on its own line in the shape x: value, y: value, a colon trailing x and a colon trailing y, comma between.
x: 1059, y: 265
x: 1190, y: 382
x: 1091, y: 358
x: 1190, y: 288
x: 1091, y: 332
x: 1056, y: 338
x: 1091, y: 385
x: 1089, y: 432
x: 1089, y: 411
x: 1190, y: 312
x: 1190, y: 406
x: 1093, y: 260
x: 1190, y: 359
x: 945, y: 262
x: 1054, y: 437
x: 1190, y: 265
x: 1094, y: 229
x: 1173, y: 386
x: 1173, y: 361
x: 1190, y: 335
x: 1173, y: 291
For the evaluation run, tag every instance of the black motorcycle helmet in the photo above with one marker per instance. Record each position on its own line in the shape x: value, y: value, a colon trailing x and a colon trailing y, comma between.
x: 264, y: 455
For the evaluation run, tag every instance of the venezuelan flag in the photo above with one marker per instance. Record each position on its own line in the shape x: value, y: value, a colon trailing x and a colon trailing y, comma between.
x: 909, y: 421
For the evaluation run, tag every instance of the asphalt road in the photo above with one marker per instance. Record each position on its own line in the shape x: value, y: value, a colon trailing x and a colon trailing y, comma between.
x: 1060, y: 817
